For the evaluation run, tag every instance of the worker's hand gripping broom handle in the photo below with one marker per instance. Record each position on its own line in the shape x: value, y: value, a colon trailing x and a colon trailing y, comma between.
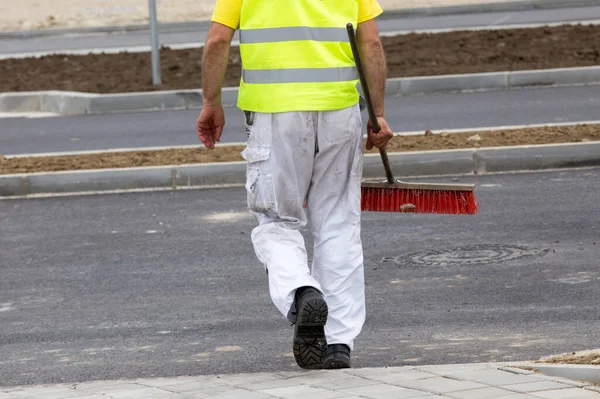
x: 363, y: 82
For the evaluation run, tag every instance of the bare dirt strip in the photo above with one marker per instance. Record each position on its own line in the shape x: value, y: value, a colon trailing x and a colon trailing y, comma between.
x: 407, y: 55
x: 589, y: 357
x: 426, y: 141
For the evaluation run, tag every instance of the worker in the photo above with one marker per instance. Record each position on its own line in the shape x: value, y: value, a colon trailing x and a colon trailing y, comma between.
x: 299, y: 95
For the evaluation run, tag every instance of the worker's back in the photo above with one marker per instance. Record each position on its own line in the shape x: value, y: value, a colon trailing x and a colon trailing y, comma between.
x: 296, y: 55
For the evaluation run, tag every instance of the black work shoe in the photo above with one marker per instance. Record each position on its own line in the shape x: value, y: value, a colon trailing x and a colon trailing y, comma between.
x: 309, y: 332
x: 337, y: 357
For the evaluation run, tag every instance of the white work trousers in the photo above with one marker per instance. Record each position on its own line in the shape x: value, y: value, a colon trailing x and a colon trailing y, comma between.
x: 317, y: 157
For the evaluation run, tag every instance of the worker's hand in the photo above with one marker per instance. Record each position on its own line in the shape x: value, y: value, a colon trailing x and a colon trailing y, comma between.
x: 210, y: 125
x: 380, y: 139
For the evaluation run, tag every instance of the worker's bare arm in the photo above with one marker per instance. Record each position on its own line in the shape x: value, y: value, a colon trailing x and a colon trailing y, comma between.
x: 373, y: 59
x: 371, y: 50
x: 211, y: 120
x: 214, y: 61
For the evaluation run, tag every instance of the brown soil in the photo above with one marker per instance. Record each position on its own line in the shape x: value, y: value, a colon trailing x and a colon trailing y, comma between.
x: 591, y: 357
x: 407, y: 55
x: 427, y: 141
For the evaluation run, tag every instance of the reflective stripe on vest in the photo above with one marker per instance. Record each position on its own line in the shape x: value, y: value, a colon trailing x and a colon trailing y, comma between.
x: 299, y: 75
x: 272, y: 35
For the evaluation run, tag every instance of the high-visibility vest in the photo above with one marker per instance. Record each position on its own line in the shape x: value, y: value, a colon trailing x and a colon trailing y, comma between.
x: 296, y: 55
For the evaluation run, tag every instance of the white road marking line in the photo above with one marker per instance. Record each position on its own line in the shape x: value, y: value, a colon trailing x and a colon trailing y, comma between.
x: 28, y: 115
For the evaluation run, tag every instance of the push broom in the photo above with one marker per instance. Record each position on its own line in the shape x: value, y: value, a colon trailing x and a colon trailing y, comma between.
x: 396, y: 196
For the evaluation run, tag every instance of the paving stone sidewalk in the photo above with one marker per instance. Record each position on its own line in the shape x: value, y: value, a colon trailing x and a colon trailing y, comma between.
x: 465, y: 381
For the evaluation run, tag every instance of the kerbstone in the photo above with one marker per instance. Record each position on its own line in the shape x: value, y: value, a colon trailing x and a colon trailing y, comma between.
x: 421, y: 163
x: 450, y: 83
x: 109, y: 179
x: 554, y: 77
x: 210, y: 174
x: 136, y: 102
x: 13, y: 185
x: 392, y: 87
x: 20, y: 102
x: 66, y: 103
x: 538, y: 157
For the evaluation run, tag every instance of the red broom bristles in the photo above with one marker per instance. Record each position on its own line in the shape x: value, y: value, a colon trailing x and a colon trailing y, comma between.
x: 454, y: 202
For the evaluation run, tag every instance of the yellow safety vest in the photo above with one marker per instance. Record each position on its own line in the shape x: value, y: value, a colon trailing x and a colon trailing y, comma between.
x: 296, y: 55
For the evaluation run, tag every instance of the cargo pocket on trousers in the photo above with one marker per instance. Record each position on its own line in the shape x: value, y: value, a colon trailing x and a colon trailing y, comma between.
x: 259, y: 183
x: 341, y: 125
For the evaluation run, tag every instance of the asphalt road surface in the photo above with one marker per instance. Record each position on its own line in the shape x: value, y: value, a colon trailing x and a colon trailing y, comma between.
x: 166, y: 284
x: 442, y: 111
x: 196, y: 32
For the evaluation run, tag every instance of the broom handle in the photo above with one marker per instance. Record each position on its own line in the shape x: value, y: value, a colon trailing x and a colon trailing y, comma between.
x: 363, y: 82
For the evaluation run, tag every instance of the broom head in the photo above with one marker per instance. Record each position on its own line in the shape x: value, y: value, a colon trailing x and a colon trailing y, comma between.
x: 456, y: 199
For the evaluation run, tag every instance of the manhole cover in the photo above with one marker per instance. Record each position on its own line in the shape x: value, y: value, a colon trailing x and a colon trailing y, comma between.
x: 467, y: 255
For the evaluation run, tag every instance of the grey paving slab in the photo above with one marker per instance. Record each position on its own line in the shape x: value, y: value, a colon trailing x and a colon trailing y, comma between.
x: 479, y: 393
x: 568, y: 379
x: 315, y: 385
x: 536, y: 386
x: 303, y: 391
x: 441, y: 385
x: 452, y: 369
x: 208, y: 393
x: 270, y: 384
x: 385, y: 391
x: 182, y: 385
x: 497, y: 377
x: 570, y: 393
x: 48, y: 392
x: 389, y: 375
x: 137, y: 391
x: 242, y: 394
x: 344, y: 382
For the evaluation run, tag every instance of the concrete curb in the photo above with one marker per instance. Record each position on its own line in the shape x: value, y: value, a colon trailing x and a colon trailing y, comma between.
x: 467, y: 161
x: 75, y: 103
x: 421, y: 11
x: 577, y: 372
